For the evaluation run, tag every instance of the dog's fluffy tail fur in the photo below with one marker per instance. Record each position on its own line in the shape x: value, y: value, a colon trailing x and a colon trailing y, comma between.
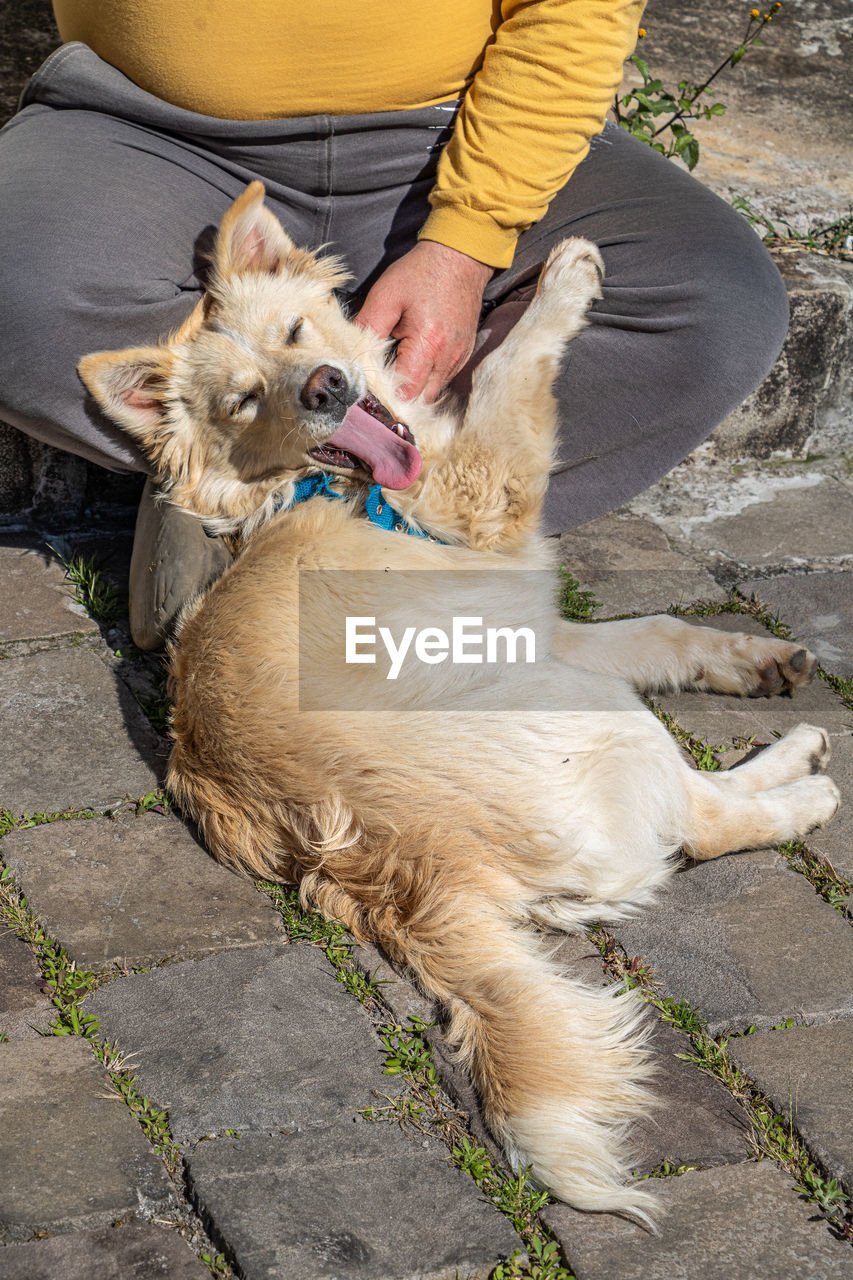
x: 559, y: 1064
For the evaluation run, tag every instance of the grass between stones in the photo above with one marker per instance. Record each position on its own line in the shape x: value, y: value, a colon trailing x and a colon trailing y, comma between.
x: 424, y: 1107
x: 773, y: 1136
x: 92, y: 588
x: 69, y: 986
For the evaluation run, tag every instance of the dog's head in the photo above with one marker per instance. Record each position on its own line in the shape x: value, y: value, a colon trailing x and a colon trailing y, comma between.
x: 265, y: 380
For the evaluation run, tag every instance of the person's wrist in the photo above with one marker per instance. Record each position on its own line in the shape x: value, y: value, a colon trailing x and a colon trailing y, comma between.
x: 473, y: 268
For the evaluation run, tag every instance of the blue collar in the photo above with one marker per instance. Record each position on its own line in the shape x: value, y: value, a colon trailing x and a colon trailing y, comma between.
x: 377, y: 510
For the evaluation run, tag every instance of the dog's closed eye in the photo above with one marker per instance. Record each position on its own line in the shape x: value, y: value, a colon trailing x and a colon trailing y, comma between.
x: 244, y: 404
x: 294, y: 330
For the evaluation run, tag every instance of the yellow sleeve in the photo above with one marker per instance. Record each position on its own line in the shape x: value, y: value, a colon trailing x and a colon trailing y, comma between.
x: 540, y: 96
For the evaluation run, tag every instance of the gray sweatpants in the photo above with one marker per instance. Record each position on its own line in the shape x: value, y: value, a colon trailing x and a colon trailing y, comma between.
x: 107, y: 195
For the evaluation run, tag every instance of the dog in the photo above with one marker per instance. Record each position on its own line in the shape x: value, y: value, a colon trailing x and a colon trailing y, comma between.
x: 454, y: 834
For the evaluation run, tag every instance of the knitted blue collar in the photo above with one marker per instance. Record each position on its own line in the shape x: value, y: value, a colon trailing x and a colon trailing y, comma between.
x: 377, y: 510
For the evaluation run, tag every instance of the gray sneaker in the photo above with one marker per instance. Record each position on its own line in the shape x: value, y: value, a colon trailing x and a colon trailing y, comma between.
x: 173, y: 560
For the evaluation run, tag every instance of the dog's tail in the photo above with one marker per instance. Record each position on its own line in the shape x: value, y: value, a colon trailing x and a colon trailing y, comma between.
x: 558, y: 1062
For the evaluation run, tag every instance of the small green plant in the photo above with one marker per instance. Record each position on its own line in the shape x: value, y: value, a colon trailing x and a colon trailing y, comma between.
x: 515, y: 1197
x: 666, y: 1170
x: 575, y: 604
x: 832, y: 887
x: 92, y: 589
x: 408, y: 1054
x: 834, y: 240
x: 652, y: 110
x: 216, y: 1264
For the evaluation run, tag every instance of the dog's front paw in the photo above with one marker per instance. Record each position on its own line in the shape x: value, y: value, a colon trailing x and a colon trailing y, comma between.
x: 574, y: 269
x: 781, y: 667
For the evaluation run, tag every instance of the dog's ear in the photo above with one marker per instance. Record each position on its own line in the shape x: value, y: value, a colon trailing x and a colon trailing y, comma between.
x: 132, y: 389
x: 250, y: 237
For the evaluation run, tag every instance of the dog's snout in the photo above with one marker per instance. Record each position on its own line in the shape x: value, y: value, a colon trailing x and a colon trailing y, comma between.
x: 325, y: 390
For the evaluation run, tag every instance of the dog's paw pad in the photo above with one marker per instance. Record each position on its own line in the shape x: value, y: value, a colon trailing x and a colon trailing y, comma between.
x: 789, y: 667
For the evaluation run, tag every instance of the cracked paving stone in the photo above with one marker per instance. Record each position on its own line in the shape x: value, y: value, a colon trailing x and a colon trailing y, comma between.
x: 628, y: 564
x: 134, y: 889
x: 260, y: 1039
x: 38, y: 602
x: 720, y: 719
x: 746, y: 940
x: 362, y: 1201
x: 25, y: 1009
x: 818, y: 607
x: 135, y: 1251
x: 741, y: 1222
x: 72, y: 1154
x: 805, y: 1072
x: 71, y: 735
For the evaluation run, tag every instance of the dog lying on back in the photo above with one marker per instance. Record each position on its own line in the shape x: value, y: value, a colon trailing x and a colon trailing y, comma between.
x: 446, y: 829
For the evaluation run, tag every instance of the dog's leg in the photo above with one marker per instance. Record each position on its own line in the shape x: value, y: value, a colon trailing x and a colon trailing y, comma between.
x: 511, y: 403
x: 803, y: 751
x: 728, y: 814
x: 488, y: 488
x: 663, y: 654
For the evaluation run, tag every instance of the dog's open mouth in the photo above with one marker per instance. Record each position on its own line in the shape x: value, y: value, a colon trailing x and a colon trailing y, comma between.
x: 370, y: 439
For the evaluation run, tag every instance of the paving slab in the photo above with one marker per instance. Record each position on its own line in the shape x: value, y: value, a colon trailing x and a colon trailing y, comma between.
x: 366, y: 1202
x: 722, y: 934
x: 799, y: 521
x: 71, y: 735
x: 722, y: 720
x: 135, y: 889
x: 818, y: 607
x: 630, y: 566
x: 806, y: 1072
x: 742, y: 1222
x: 253, y: 1040
x: 135, y: 1251
x: 72, y: 1155
x: 24, y: 1007
x: 38, y: 604
x: 697, y: 1121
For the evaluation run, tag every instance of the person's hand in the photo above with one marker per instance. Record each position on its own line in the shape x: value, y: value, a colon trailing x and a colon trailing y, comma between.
x: 430, y: 301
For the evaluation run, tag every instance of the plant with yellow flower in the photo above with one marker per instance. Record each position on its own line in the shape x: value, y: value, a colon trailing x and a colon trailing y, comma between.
x: 641, y: 111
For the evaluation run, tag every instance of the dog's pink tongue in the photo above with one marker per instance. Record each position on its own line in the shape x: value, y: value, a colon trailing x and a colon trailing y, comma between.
x: 394, y: 462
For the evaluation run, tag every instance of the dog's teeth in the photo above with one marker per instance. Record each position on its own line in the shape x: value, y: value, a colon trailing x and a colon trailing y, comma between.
x: 400, y: 429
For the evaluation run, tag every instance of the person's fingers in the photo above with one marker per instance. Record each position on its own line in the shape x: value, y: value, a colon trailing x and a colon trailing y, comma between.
x: 380, y: 312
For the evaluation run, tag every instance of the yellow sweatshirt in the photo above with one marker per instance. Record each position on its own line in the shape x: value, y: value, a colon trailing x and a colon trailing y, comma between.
x: 537, y: 77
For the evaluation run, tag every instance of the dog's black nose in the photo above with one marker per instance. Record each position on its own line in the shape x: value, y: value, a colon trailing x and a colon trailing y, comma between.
x: 325, y: 390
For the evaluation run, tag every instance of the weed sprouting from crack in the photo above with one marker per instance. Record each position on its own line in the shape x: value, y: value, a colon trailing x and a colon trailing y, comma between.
x: 704, y: 754
x: 832, y: 887
x: 666, y: 1169
x: 92, y: 588
x: 424, y: 1108
x: 772, y: 1135
x: 574, y: 603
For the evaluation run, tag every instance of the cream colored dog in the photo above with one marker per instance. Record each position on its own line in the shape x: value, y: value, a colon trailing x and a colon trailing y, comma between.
x: 447, y: 829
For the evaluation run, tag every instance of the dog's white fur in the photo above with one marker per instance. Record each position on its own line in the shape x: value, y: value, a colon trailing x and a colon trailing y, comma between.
x: 447, y: 838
